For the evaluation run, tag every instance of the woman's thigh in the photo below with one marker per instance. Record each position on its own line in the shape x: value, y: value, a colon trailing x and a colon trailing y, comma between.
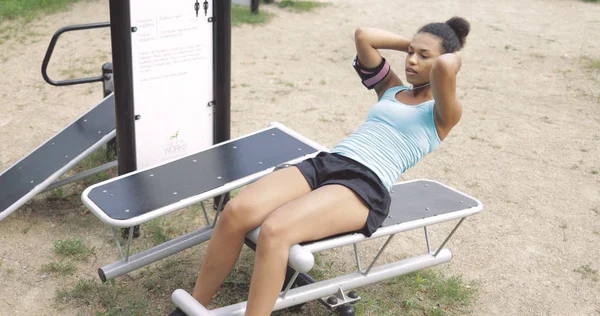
x: 326, y: 211
x: 254, y: 203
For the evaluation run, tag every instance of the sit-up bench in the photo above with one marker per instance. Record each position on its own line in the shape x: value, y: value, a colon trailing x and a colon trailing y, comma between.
x: 135, y: 198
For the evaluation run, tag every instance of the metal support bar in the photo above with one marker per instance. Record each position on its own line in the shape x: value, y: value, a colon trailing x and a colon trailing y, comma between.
x: 205, y: 214
x: 449, y: 236
x: 356, y: 256
x: 289, y: 285
x: 324, y: 288
x: 118, y: 243
x: 129, y: 244
x: 379, y: 253
x: 218, y: 210
x: 154, y: 254
x: 81, y: 175
x: 427, y: 239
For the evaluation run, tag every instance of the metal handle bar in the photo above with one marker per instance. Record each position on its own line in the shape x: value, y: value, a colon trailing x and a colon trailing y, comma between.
x: 51, y: 46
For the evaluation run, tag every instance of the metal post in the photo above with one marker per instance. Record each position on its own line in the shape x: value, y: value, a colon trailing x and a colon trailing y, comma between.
x: 222, y: 76
x: 120, y: 30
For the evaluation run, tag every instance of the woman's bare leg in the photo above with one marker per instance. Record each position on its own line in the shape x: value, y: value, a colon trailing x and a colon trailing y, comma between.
x: 242, y: 214
x: 327, y: 211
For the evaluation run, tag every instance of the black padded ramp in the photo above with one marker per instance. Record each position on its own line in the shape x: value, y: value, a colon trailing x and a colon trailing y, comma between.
x: 423, y: 199
x: 56, y: 153
x: 167, y: 184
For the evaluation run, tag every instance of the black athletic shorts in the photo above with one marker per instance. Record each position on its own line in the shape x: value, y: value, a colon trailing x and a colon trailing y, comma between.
x: 327, y: 168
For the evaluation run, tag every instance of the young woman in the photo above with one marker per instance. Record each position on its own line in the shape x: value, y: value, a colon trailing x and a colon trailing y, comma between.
x: 347, y: 189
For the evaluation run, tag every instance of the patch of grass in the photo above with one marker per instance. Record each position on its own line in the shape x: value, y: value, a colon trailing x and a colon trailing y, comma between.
x: 74, y: 248
x: 423, y: 292
x: 104, y: 299
x: 591, y: 63
x: 26, y: 229
x: 594, y: 1
x: 59, y: 193
x: 95, y: 159
x: 319, y: 272
x: 59, y: 268
x: 28, y: 9
x: 596, y: 210
x: 236, y: 286
x: 286, y: 83
x: 242, y: 15
x: 587, y: 272
x: 300, y: 6
x: 158, y: 230
x: 169, y: 275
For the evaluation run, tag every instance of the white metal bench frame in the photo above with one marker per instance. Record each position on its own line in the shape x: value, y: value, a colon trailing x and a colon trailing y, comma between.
x: 301, y: 257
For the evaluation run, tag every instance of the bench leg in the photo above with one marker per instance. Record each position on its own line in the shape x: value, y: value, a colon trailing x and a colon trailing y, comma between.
x: 154, y: 254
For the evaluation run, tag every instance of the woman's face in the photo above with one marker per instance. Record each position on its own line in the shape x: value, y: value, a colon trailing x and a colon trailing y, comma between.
x: 422, y: 52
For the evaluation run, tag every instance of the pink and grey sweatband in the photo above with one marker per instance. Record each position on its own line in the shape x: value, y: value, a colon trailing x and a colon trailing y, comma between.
x: 371, y: 76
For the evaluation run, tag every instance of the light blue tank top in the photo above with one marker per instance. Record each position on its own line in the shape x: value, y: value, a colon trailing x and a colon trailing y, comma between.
x: 394, y: 137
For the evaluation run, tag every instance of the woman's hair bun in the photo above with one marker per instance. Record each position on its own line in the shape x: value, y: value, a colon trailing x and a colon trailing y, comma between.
x: 461, y: 27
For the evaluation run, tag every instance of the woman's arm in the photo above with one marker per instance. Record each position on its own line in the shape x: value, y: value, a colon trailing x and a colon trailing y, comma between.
x: 443, y: 86
x: 368, y: 41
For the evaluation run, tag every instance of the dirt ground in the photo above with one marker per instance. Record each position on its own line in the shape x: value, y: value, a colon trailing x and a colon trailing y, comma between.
x: 527, y: 145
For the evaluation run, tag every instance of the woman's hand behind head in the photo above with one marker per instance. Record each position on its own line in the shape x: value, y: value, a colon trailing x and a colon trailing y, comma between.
x: 447, y: 63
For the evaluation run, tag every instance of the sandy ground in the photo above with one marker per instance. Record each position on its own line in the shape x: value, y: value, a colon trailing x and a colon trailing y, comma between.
x: 527, y: 145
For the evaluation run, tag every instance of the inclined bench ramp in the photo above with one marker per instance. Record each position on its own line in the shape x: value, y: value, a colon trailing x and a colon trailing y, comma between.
x: 40, y: 168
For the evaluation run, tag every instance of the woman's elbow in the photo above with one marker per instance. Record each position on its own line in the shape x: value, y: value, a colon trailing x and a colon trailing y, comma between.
x: 359, y: 34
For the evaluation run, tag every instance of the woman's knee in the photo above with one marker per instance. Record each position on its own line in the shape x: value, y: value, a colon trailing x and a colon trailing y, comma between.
x: 273, y: 233
x: 237, y: 215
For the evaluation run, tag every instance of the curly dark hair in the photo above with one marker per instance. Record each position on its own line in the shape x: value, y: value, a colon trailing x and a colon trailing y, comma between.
x: 453, y: 33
